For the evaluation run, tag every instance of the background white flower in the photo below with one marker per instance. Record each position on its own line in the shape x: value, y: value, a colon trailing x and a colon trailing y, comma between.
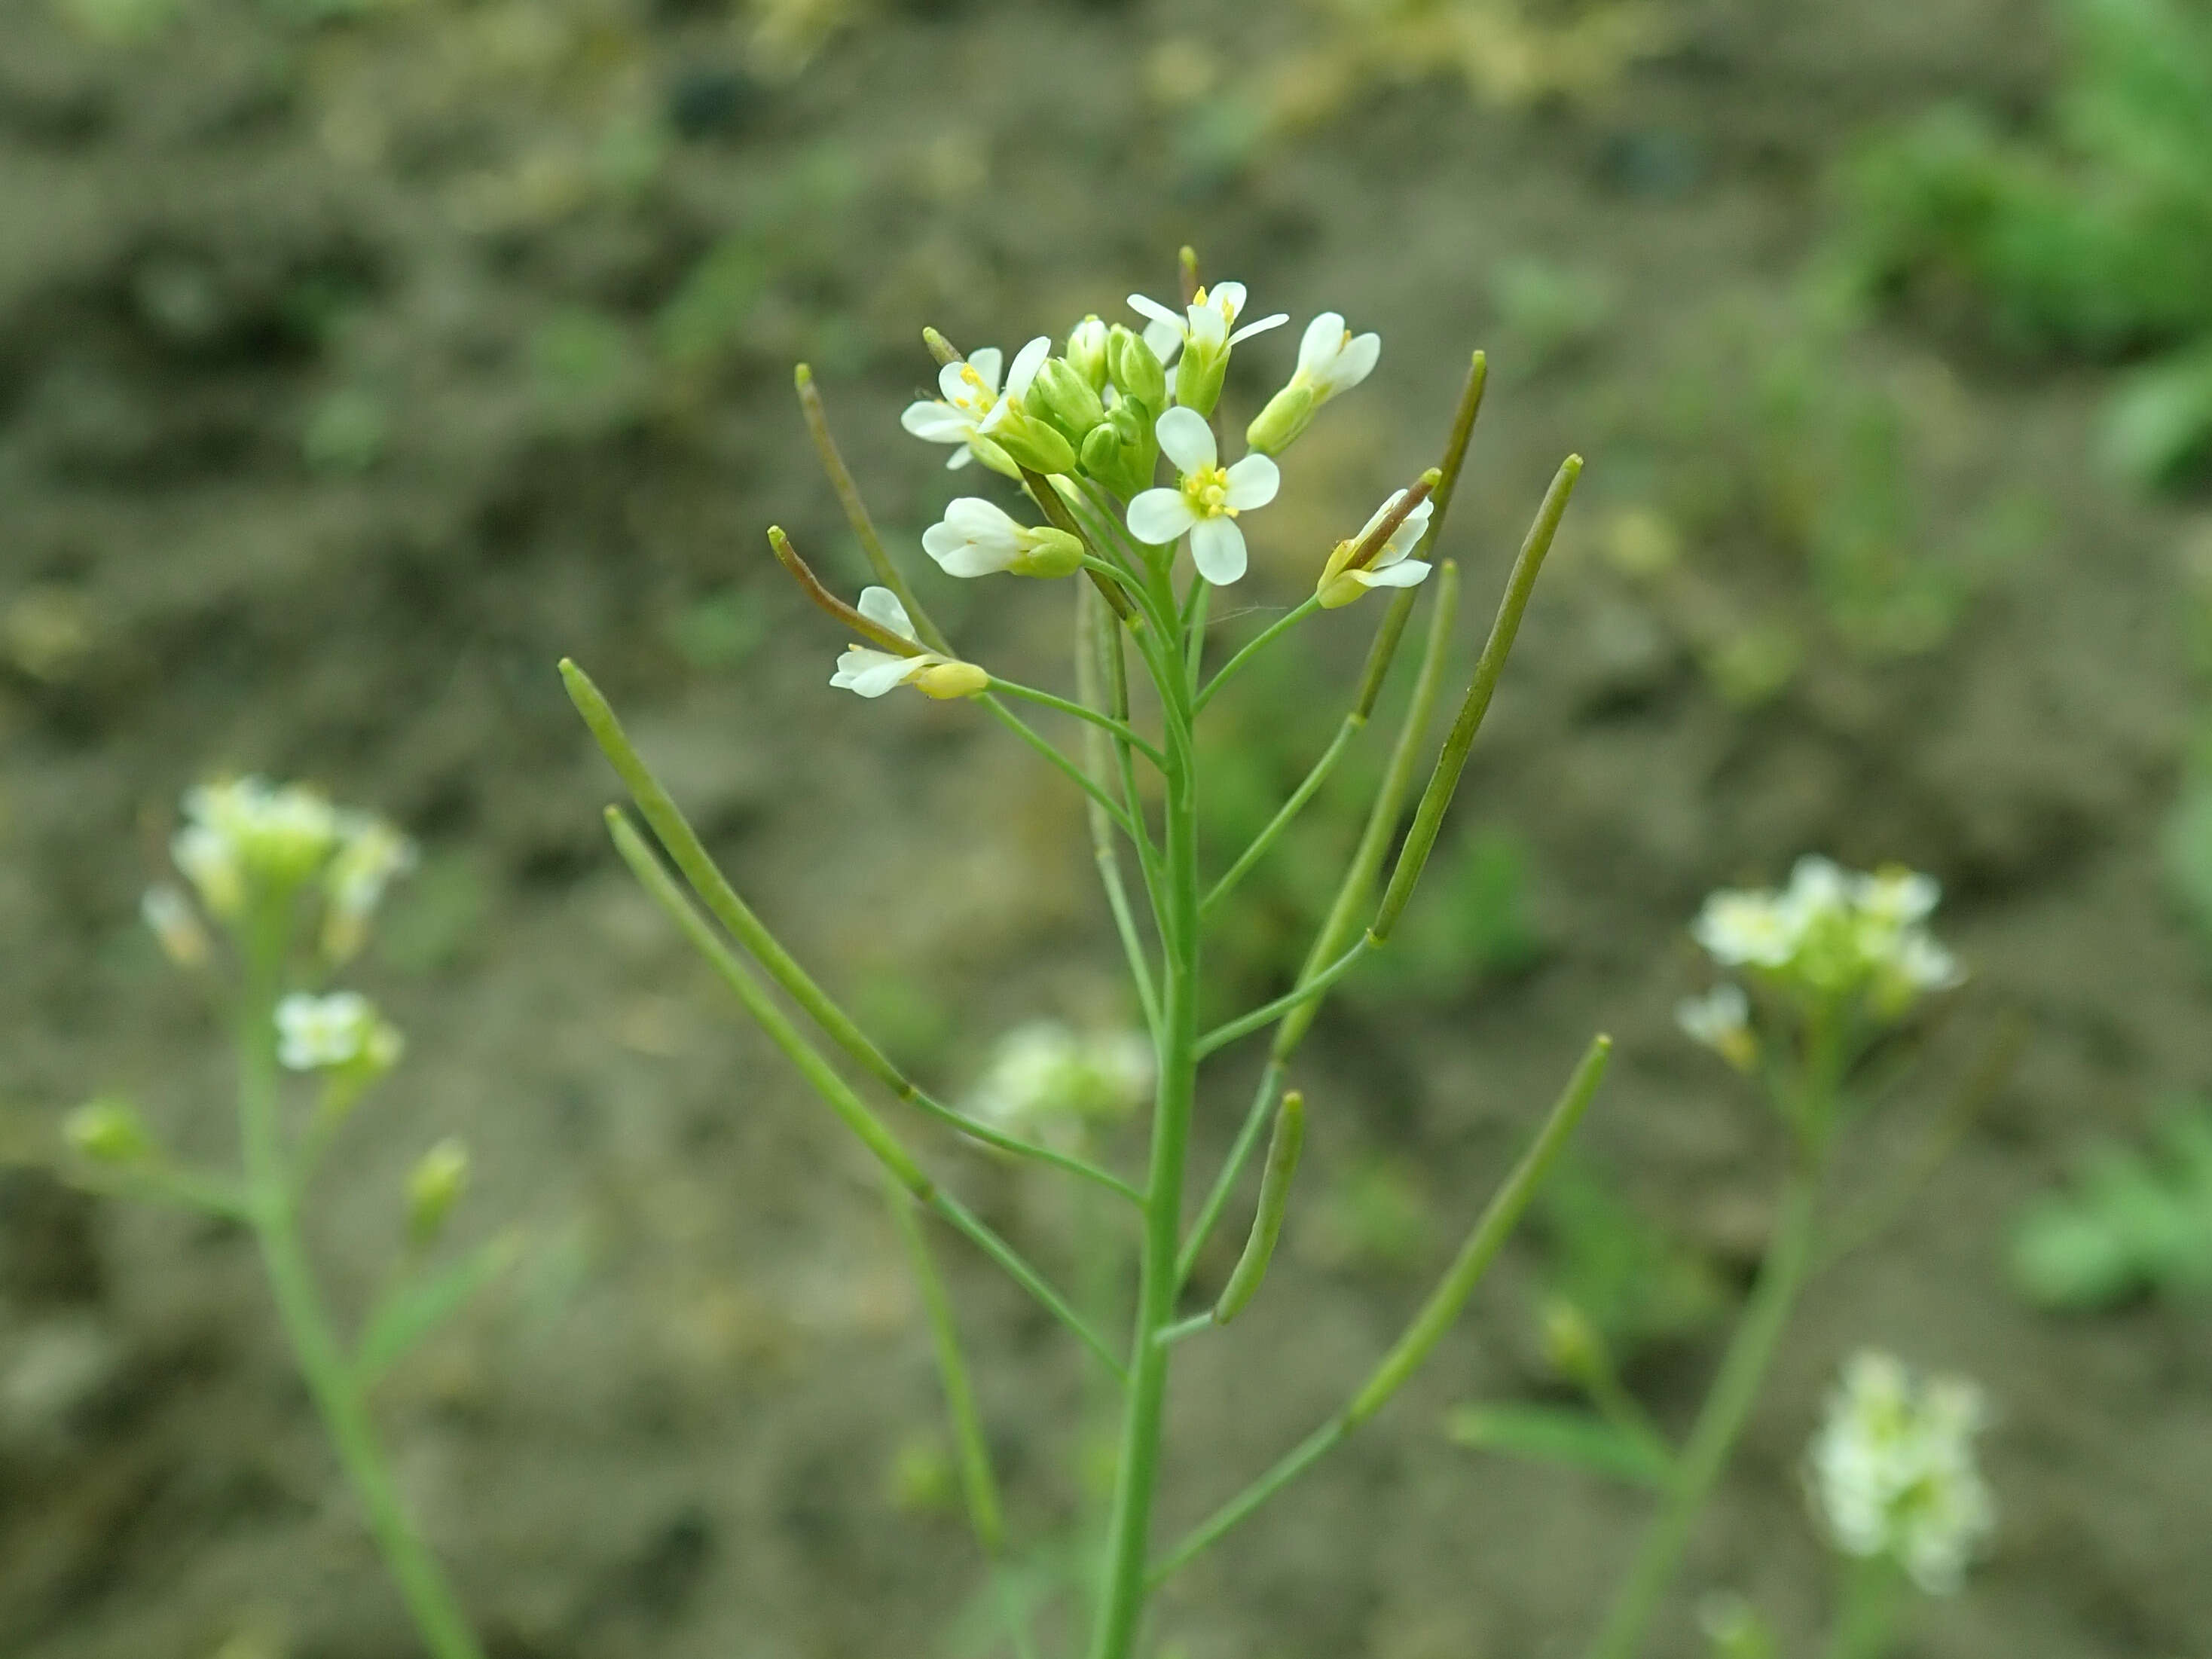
x: 1205, y: 501
x: 1046, y: 1078
x: 318, y: 1033
x: 1892, y: 1470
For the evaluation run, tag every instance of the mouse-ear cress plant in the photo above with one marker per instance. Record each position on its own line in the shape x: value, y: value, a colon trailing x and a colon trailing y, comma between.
x: 1113, y: 476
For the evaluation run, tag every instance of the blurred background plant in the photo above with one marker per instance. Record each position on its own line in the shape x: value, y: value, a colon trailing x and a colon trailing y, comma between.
x: 2089, y: 233
x: 2134, y: 1220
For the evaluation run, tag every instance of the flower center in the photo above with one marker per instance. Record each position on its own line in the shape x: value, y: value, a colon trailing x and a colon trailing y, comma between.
x: 977, y: 398
x: 1207, y: 492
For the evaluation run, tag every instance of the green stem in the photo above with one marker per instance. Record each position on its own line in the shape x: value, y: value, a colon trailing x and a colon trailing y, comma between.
x: 1735, y: 1388
x: 322, y: 1360
x: 1103, y: 853
x: 1194, y: 629
x: 1267, y: 1014
x: 1866, y: 1610
x: 1436, y: 1316
x: 1265, y: 637
x: 1099, y: 797
x: 1120, y: 729
x: 1266, y: 838
x: 1122, y: 1593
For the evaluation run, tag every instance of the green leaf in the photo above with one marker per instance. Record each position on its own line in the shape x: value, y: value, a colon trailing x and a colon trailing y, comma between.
x: 1563, y: 1434
x: 2132, y: 1220
x: 420, y: 1305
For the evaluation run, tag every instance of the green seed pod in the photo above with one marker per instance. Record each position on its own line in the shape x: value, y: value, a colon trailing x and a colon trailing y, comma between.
x: 433, y: 1186
x: 108, y: 1131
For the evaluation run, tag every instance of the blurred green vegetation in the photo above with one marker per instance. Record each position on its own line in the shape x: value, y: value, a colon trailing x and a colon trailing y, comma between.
x: 2091, y: 233
x: 2133, y: 1221
x: 1789, y: 495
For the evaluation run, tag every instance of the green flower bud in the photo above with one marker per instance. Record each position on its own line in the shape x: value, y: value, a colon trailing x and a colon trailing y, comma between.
x: 433, y: 1186
x: 1031, y: 441
x: 1121, y: 454
x: 945, y: 681
x: 1288, y: 413
x: 1063, y: 396
x: 1135, y: 372
x: 108, y: 1131
x: 1086, y: 350
x: 1052, y: 553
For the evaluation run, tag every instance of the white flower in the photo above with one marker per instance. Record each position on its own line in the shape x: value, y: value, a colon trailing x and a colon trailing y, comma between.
x: 1332, y: 359
x: 1207, y: 500
x: 1896, y: 895
x: 370, y: 856
x: 342, y: 1029
x: 976, y: 538
x: 972, y: 400
x: 871, y: 673
x: 171, y: 917
x: 1892, y: 1470
x: 1390, y: 567
x: 1738, y: 928
x: 1207, y: 321
x: 1045, y: 1077
x: 1721, y: 1021
x: 244, y: 830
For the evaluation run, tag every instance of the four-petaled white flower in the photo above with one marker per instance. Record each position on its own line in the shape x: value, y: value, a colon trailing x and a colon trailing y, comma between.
x: 1738, y: 928
x: 324, y: 1033
x: 871, y: 673
x: 1046, y: 1078
x: 1390, y: 567
x: 976, y: 538
x: 1207, y: 321
x: 1720, y: 1019
x: 973, y: 400
x: 1207, y: 500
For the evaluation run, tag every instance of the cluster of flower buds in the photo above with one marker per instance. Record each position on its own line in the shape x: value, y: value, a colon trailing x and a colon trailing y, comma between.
x: 1048, y: 1080
x: 246, y: 841
x: 1892, y: 1470
x: 1833, y: 937
x: 1085, y: 430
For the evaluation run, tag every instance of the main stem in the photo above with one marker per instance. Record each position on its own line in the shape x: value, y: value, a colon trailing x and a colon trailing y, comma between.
x: 275, y: 1207
x: 1121, y: 1598
x: 1743, y: 1369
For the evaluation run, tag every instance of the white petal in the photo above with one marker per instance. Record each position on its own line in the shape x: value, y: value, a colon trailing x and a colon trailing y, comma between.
x: 973, y: 559
x: 960, y: 457
x: 1401, y: 573
x: 1157, y: 311
x: 872, y: 673
x: 1407, y: 536
x: 1356, y: 362
x: 938, y: 423
x: 1157, y: 517
x: 1186, y: 440
x: 986, y: 363
x: 952, y: 381
x: 1206, y: 326
x: 1026, y: 364
x: 881, y: 607
x: 1322, y: 340
x: 1378, y: 515
x: 1227, y: 298
x: 1165, y: 336
x: 1252, y: 483
x: 981, y: 520
x: 1260, y: 327
x: 1217, y: 548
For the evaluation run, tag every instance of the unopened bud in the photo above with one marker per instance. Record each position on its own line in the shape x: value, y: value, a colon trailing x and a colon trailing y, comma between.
x: 108, y: 1131
x: 170, y: 914
x: 1086, y: 351
x: 1030, y: 441
x: 947, y: 680
x: 1571, y: 1342
x: 1061, y: 395
x: 1051, y: 553
x: 1288, y: 413
x: 1134, y: 370
x: 433, y: 1186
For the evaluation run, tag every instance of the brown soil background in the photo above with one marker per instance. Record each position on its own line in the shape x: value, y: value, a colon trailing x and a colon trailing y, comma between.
x: 669, y: 1434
